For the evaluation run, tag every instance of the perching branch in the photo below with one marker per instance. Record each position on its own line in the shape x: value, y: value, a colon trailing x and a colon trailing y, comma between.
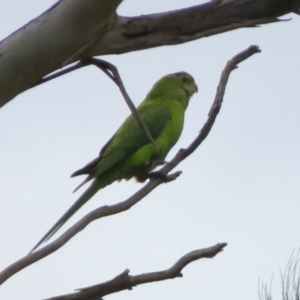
x: 152, y: 184
x: 230, y: 66
x: 124, y: 281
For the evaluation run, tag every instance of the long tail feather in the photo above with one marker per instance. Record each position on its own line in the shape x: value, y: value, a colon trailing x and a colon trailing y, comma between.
x: 95, y: 186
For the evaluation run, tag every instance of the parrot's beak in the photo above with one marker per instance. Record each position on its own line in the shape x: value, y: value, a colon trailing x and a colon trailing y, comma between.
x: 195, y: 86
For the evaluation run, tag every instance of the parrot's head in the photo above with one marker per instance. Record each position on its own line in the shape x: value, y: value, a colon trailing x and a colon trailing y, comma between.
x: 179, y: 86
x: 185, y: 82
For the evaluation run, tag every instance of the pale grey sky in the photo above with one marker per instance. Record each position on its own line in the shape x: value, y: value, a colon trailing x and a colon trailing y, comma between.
x: 240, y: 187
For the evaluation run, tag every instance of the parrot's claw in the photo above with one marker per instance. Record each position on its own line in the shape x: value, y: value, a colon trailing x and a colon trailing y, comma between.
x: 159, y: 175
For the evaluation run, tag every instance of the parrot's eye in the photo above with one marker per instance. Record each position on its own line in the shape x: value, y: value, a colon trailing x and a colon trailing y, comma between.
x: 184, y: 79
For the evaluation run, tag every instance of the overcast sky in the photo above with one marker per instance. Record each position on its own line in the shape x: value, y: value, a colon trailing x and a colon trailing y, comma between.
x: 241, y: 186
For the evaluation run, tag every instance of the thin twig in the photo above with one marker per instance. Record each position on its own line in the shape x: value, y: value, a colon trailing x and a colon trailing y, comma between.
x: 115, y: 76
x: 112, y: 72
x: 77, y: 66
x: 152, y: 184
x: 124, y: 281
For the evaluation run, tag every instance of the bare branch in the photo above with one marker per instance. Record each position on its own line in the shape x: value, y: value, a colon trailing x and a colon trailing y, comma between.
x: 126, y: 282
x: 189, y: 24
x: 230, y: 66
x: 112, y: 72
x: 105, y: 211
x: 153, y: 183
x: 100, y: 212
x: 75, y: 67
x: 41, y: 47
x: 115, y: 76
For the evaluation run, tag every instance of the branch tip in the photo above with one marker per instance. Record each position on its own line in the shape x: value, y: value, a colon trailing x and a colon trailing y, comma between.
x: 124, y: 282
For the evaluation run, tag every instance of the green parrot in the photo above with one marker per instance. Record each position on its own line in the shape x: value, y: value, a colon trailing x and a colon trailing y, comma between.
x: 130, y: 153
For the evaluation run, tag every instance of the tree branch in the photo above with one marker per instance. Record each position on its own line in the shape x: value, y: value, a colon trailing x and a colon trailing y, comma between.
x: 189, y: 24
x: 56, y: 39
x: 152, y: 184
x: 112, y: 72
x: 126, y: 282
x: 52, y: 40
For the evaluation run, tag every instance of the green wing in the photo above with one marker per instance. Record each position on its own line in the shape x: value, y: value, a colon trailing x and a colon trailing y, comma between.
x: 130, y: 136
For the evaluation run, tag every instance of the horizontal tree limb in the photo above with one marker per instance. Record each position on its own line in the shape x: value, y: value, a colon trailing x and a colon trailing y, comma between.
x: 56, y: 39
x: 184, y: 25
x: 124, y: 281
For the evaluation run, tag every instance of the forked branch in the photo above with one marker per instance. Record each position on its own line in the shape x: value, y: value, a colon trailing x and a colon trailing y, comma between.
x: 112, y: 72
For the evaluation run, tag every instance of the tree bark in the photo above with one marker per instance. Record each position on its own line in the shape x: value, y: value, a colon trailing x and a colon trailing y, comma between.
x: 48, y: 42
x: 75, y: 30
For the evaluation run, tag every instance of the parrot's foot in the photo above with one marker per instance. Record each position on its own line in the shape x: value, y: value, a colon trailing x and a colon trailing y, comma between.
x: 159, y: 175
